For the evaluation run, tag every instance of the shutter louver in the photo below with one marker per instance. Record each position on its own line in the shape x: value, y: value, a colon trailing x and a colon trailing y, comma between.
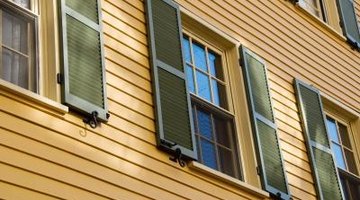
x: 83, y: 59
x: 264, y: 128
x: 172, y: 100
x: 315, y: 131
x: 349, y: 22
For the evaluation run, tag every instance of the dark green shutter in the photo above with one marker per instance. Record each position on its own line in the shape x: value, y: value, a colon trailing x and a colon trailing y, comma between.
x: 82, y: 57
x: 171, y: 98
x: 264, y: 128
x: 349, y: 22
x: 317, y: 141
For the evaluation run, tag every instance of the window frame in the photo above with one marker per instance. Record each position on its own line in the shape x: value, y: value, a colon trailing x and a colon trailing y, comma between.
x: 341, y: 145
x: 346, y: 116
x: 48, y: 91
x: 29, y: 15
x: 237, y: 104
x: 209, y: 106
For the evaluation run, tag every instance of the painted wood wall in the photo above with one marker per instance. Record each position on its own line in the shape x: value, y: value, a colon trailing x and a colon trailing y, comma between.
x: 46, y: 154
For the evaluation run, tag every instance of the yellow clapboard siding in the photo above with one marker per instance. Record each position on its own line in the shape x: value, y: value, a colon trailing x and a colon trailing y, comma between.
x: 108, y: 182
x: 131, y: 116
x: 11, y: 191
x: 125, y: 17
x: 141, y: 70
x: 293, y: 114
x: 75, y: 176
x: 284, y: 100
x: 299, y: 172
x: 327, y: 56
x: 131, y: 10
x: 136, y: 34
x: 123, y: 37
x: 128, y: 75
x: 125, y: 99
x: 124, y: 50
x: 306, y: 186
x: 282, y: 126
x: 299, y: 152
x: 300, y: 194
x: 139, y: 4
x: 129, y: 88
x: 132, y: 156
x: 279, y: 115
x: 43, y: 184
x: 285, y: 136
x: 300, y: 162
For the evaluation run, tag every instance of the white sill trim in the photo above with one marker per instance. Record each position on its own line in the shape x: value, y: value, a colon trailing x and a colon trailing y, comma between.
x: 322, y: 23
x: 228, y: 179
x: 33, y: 97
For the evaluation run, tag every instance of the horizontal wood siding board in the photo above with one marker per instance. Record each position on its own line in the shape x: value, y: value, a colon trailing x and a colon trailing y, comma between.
x: 12, y: 191
x: 129, y: 76
x: 115, y: 21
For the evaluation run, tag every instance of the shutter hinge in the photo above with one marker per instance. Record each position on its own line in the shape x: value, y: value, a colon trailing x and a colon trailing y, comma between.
x: 258, y: 170
x: 276, y: 196
x: 92, y: 119
x: 59, y: 78
x: 178, y: 157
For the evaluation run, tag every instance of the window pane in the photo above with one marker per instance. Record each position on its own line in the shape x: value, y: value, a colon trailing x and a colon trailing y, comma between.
x: 22, y: 3
x: 354, y: 190
x: 222, y: 132
x: 14, y: 33
x: 215, y: 65
x: 340, y: 162
x: 190, y: 78
x: 204, y: 123
x: 331, y: 125
x: 350, y: 161
x: 199, y: 56
x: 203, y: 84
x: 226, y: 161
x: 344, y: 136
x: 14, y: 68
x: 187, y: 52
x: 219, y: 94
x: 208, y: 154
x: 344, y: 186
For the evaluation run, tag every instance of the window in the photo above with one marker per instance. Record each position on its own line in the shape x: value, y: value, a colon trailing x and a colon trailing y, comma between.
x: 341, y: 141
x: 214, y: 129
x: 18, y: 46
x: 198, y: 115
x: 325, y: 10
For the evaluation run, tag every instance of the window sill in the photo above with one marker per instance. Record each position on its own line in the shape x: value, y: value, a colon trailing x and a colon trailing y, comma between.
x: 228, y: 179
x: 321, y: 23
x: 9, y: 89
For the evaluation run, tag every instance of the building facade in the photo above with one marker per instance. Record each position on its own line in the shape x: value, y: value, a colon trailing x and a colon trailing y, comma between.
x: 180, y: 99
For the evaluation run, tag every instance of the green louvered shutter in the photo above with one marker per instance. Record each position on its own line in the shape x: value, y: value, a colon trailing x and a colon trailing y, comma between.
x: 263, y: 123
x: 171, y: 98
x: 83, y: 81
x: 317, y: 141
x: 349, y: 21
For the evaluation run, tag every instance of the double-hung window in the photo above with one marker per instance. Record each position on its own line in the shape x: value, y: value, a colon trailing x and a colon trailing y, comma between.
x: 214, y: 128
x: 18, y: 44
x: 344, y: 155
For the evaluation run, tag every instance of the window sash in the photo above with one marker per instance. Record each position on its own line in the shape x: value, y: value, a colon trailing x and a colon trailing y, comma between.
x: 31, y: 19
